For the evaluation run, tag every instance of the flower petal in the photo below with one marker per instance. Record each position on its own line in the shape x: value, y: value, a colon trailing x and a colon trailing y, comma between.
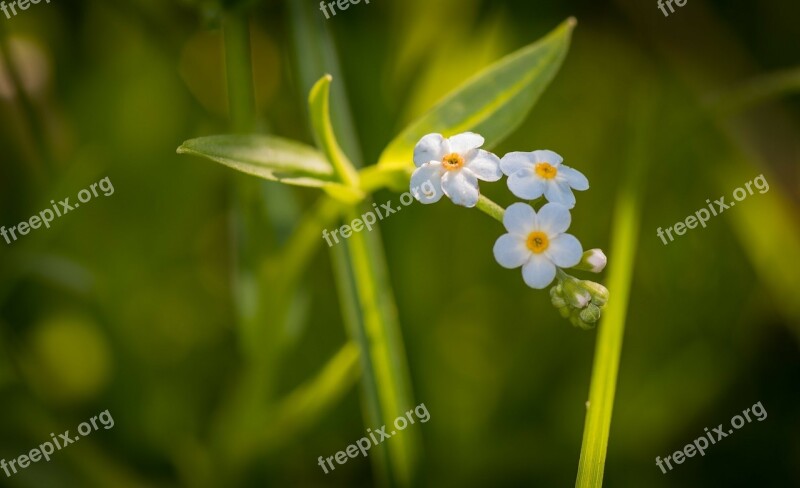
x: 426, y: 183
x: 526, y: 184
x: 538, y: 272
x: 559, y: 192
x: 520, y: 219
x: 565, y: 251
x: 553, y: 219
x: 510, y: 251
x: 463, y: 143
x: 485, y: 166
x: 596, y: 260
x: 546, y: 156
x: 432, y: 147
x: 516, y: 161
x: 575, y: 178
x: 461, y: 186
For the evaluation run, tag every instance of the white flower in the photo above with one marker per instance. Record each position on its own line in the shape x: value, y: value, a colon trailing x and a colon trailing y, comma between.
x: 537, y: 173
x: 536, y: 241
x: 453, y: 167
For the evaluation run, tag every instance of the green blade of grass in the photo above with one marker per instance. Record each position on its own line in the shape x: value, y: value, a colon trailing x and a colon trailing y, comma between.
x: 624, y: 242
x: 756, y: 91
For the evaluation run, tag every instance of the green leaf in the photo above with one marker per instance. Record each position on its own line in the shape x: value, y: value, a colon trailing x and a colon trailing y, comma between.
x: 492, y: 103
x: 268, y: 157
x: 319, y: 106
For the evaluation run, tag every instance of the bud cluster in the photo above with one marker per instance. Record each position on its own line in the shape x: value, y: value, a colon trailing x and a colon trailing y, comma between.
x: 580, y: 301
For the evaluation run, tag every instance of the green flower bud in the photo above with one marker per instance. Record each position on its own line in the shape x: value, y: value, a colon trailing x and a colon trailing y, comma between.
x: 555, y: 297
x: 575, y: 294
x: 577, y: 321
x: 590, y: 314
x: 580, y: 301
x: 599, y: 292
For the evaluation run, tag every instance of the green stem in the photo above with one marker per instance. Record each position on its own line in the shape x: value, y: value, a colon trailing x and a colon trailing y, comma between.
x: 625, y: 236
x: 232, y: 429
x: 490, y: 208
x: 359, y: 267
x: 386, y: 374
x: 609, y: 347
x: 373, y: 178
x: 354, y: 324
x: 238, y: 65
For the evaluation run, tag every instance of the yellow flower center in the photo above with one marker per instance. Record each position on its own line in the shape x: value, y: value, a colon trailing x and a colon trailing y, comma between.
x: 546, y: 171
x: 537, y: 242
x: 452, y: 161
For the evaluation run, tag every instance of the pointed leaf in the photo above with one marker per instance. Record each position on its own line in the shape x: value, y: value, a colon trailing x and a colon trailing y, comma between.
x: 268, y: 157
x: 319, y: 107
x: 492, y: 103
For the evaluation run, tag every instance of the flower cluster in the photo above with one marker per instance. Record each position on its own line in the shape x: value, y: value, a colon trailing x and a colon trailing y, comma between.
x: 536, y: 240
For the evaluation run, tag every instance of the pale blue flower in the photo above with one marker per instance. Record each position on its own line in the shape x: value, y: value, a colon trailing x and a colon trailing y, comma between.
x: 453, y: 167
x: 537, y: 242
x: 537, y: 173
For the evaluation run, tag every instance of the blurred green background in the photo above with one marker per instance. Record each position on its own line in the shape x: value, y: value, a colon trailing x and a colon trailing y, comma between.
x: 135, y: 302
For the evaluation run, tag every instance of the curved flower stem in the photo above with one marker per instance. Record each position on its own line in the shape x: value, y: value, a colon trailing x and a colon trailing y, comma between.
x: 490, y: 208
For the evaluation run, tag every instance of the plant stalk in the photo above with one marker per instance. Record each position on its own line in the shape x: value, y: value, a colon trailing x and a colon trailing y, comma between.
x: 608, y: 350
x: 238, y: 67
x: 490, y: 208
x: 386, y: 375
